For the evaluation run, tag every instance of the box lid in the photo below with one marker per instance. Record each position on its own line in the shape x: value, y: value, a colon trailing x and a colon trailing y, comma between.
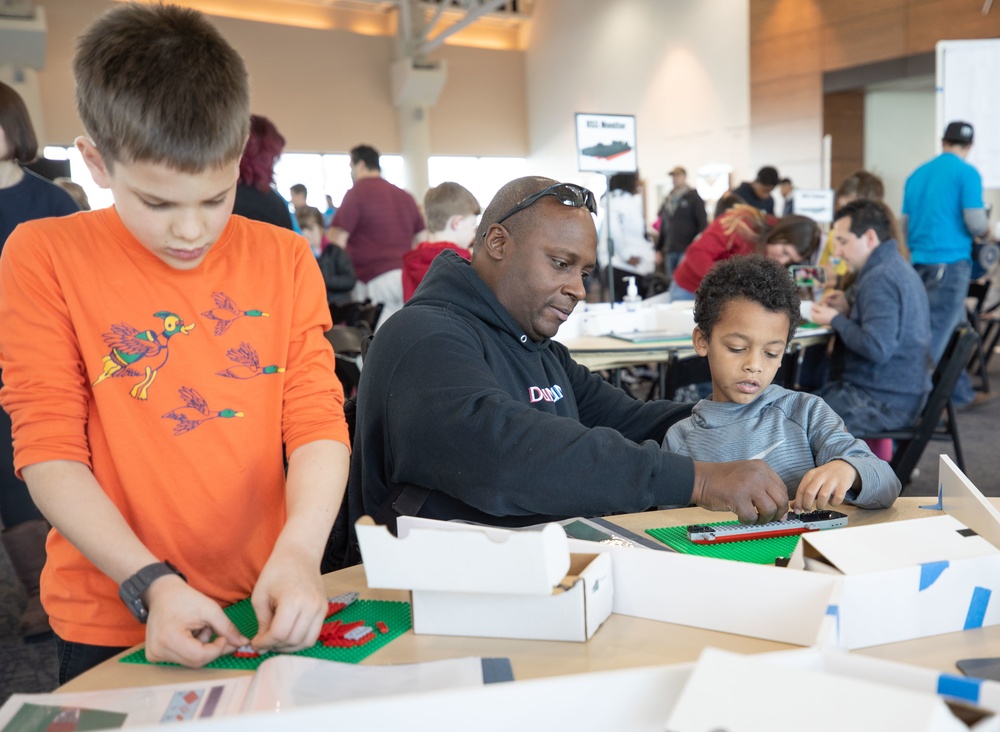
x: 898, y: 544
x: 445, y: 556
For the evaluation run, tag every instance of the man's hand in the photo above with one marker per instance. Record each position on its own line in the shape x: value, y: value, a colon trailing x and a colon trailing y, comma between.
x: 833, y: 304
x: 748, y: 488
x: 182, y: 622
x: 290, y: 602
x: 825, y: 486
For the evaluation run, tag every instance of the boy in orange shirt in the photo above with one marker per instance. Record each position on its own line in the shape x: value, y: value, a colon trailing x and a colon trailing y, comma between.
x: 160, y: 360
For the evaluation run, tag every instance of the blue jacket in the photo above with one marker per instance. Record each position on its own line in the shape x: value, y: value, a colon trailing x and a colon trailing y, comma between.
x: 887, y: 333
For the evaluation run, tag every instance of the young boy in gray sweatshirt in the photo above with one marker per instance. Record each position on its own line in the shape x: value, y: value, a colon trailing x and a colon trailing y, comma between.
x: 746, y: 310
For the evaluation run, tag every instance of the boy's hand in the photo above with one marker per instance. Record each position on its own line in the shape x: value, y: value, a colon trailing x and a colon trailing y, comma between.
x: 290, y: 602
x: 825, y: 486
x: 749, y: 488
x: 182, y: 622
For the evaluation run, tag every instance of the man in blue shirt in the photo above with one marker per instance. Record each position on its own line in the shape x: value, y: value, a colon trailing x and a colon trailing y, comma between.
x: 943, y: 211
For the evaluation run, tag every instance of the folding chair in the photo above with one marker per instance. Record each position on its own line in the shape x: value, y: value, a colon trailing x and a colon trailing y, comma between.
x: 936, y: 420
x: 350, y: 344
x: 357, y: 313
x: 979, y: 359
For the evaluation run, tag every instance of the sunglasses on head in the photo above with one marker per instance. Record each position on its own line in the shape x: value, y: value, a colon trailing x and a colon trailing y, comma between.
x: 568, y: 194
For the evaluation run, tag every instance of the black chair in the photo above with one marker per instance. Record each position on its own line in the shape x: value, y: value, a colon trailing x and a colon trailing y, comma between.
x: 357, y: 313
x: 937, y: 419
x: 979, y: 359
x: 335, y: 554
x: 350, y: 344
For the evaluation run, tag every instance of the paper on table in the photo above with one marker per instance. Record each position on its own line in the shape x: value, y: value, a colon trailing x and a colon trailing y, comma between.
x: 289, y: 682
x: 141, y: 706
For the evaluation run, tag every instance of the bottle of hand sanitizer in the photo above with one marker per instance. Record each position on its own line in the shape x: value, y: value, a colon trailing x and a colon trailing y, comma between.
x: 631, y: 298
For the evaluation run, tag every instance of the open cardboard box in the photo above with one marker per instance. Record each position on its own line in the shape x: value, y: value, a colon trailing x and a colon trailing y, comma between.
x: 910, y: 579
x: 483, y: 581
x: 877, y: 584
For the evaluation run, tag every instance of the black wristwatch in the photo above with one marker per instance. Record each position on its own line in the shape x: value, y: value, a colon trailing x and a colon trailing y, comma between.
x: 131, y: 589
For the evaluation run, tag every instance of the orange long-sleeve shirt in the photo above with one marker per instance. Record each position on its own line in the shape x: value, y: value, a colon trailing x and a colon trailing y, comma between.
x: 180, y: 390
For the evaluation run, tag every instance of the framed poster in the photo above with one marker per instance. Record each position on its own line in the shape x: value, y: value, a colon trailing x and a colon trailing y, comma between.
x: 605, y: 143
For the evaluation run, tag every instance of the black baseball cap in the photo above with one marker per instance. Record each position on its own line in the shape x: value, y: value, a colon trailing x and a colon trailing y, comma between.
x: 960, y: 132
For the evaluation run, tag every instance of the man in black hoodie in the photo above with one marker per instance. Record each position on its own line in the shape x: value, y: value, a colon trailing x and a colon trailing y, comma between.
x: 467, y: 409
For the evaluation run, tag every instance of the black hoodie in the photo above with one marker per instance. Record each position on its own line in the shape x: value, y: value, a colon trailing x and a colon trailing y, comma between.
x: 456, y: 399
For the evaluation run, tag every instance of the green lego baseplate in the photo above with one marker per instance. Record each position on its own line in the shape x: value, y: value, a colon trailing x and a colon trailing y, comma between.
x: 395, y: 616
x: 753, y: 551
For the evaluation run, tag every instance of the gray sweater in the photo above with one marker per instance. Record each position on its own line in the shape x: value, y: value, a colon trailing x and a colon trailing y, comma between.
x: 792, y: 431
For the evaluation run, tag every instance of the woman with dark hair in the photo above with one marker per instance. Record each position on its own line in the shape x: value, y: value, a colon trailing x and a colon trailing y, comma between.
x: 744, y: 230
x: 256, y: 196
x: 24, y: 196
x: 633, y: 254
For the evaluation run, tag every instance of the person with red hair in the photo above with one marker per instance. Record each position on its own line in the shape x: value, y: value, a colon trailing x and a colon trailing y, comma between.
x: 256, y: 196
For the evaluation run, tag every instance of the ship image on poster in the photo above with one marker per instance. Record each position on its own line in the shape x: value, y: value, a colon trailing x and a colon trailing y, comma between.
x: 607, y: 152
x: 605, y: 143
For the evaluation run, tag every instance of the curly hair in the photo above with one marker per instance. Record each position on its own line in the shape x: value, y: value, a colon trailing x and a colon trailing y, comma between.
x: 752, y: 278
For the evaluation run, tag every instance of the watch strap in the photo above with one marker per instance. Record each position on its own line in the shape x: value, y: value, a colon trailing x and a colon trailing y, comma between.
x: 131, y: 589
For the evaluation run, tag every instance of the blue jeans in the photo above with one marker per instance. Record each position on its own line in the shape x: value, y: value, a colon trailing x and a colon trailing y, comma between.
x: 861, y: 412
x: 947, y: 287
x: 75, y: 658
x: 678, y: 293
x: 673, y: 259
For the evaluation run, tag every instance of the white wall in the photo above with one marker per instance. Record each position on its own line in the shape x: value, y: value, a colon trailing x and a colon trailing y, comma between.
x: 680, y: 66
x: 900, y: 134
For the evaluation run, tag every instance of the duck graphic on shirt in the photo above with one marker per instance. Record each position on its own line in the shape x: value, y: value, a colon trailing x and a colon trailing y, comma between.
x: 247, y: 364
x: 226, y: 312
x: 195, y: 411
x: 140, y: 353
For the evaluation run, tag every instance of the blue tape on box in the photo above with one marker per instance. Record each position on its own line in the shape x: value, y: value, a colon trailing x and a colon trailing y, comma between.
x: 930, y: 572
x: 959, y: 687
x: 977, y: 608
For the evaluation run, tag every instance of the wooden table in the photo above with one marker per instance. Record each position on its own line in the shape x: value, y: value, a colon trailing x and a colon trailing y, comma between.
x: 622, y: 642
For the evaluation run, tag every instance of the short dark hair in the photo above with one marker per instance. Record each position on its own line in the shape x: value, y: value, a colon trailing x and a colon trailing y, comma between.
x: 16, y: 125
x: 299, y: 188
x: 727, y: 201
x: 366, y: 154
x: 867, y: 214
x: 785, y: 182
x: 768, y: 176
x: 628, y: 182
x: 509, y: 195
x: 752, y: 278
x: 158, y: 83
x: 447, y: 200
x: 309, y: 216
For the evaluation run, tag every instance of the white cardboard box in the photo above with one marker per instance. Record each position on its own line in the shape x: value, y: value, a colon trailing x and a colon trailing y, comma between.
x: 883, y: 583
x: 814, y: 695
x: 482, y: 581
x: 636, y: 699
x: 911, y: 579
x: 732, y: 597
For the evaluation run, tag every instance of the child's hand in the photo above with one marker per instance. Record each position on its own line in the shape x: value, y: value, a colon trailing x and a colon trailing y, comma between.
x: 824, y: 486
x: 290, y: 602
x: 182, y: 622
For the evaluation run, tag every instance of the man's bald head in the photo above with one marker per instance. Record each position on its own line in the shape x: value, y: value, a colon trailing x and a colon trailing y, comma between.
x: 506, y: 198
